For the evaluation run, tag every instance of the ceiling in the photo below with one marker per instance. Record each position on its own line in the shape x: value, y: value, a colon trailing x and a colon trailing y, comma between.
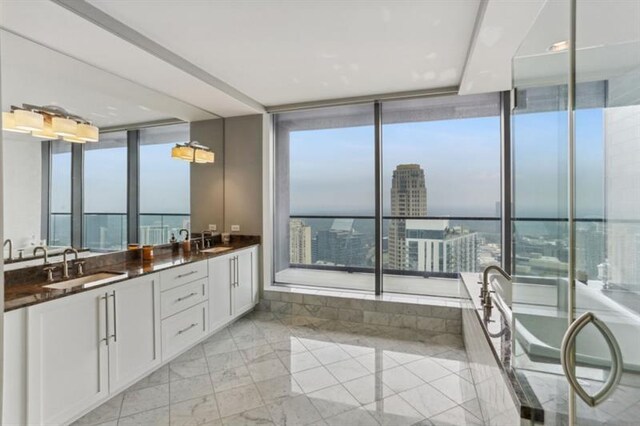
x: 282, y: 52
x: 228, y: 58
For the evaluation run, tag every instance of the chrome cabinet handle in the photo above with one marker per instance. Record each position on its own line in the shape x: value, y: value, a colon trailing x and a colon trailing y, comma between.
x: 115, y: 318
x: 180, y: 299
x: 106, y: 318
x: 188, y: 328
x: 568, y: 362
x: 187, y: 274
x: 237, y: 274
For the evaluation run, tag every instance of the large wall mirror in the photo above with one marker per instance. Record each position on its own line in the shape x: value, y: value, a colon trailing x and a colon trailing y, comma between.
x: 59, y: 193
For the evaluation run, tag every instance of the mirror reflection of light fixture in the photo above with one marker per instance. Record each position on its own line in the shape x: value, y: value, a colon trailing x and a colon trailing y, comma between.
x: 64, y: 127
x: 194, y: 152
x: 87, y: 132
x: 46, y: 132
x: 28, y: 120
x: 73, y: 139
x: 182, y: 152
x: 49, y: 122
x: 559, y: 46
x: 9, y: 123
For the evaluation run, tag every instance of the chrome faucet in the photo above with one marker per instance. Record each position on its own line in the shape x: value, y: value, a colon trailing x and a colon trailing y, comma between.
x: 65, y: 265
x: 45, y: 251
x: 10, y: 242
x: 202, y: 234
x: 484, y: 292
x: 186, y: 231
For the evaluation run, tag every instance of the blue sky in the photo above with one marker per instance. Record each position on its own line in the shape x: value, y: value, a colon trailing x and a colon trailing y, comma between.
x: 332, y: 171
x: 164, y: 181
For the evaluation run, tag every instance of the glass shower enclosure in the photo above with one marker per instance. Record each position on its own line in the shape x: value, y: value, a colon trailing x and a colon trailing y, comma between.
x: 576, y: 211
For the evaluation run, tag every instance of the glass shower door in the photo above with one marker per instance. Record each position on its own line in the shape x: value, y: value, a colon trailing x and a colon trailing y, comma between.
x: 606, y: 380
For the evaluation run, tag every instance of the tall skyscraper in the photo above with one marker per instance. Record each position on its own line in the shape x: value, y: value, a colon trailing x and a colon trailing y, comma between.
x: 408, y: 199
x: 299, y: 242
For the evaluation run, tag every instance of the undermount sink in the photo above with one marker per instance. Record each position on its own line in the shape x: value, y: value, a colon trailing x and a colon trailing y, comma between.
x: 87, y: 281
x: 216, y: 249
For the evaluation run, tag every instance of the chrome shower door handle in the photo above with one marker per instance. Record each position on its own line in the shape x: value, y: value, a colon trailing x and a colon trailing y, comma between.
x: 568, y: 362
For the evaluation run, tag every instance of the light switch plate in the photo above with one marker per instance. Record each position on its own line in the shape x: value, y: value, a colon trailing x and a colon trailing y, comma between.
x: 235, y: 228
x: 213, y: 227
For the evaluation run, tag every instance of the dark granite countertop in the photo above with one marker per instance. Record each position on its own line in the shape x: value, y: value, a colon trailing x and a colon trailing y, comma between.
x: 26, y: 287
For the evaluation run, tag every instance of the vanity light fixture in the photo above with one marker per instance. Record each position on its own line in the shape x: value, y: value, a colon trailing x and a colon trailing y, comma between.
x: 28, y: 120
x: 46, y: 132
x: 194, y: 152
x: 9, y: 123
x: 49, y: 122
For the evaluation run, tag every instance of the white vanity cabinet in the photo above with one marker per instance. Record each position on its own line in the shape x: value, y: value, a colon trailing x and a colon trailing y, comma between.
x: 68, y: 356
x: 134, y: 348
x: 233, y: 285
x: 85, y: 347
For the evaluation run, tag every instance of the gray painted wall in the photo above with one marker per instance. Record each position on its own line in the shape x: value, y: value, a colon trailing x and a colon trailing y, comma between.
x: 243, y: 174
x: 229, y: 192
x: 207, y: 180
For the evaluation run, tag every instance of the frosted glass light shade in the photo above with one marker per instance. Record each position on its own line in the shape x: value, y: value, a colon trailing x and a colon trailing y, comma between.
x: 28, y: 120
x: 73, y: 139
x: 182, y: 152
x: 87, y: 133
x: 46, y: 132
x: 203, y: 156
x: 9, y: 123
x: 64, y: 127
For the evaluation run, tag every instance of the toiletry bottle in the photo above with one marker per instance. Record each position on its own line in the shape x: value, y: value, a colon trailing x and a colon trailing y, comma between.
x: 175, y: 247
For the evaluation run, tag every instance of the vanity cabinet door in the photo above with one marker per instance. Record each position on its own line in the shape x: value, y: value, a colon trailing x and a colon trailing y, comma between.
x: 244, y: 281
x: 220, y: 285
x: 67, y: 357
x: 134, y: 331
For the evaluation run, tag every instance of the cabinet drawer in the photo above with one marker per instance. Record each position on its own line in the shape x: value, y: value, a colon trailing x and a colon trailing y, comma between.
x: 180, y: 298
x: 175, y: 277
x: 184, y: 329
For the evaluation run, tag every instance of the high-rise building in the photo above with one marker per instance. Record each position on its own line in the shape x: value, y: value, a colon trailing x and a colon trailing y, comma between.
x: 341, y: 245
x: 434, y: 246
x: 408, y: 199
x: 299, y: 242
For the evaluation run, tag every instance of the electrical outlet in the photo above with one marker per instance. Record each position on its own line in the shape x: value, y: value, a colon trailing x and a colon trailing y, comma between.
x: 213, y: 227
x: 235, y: 228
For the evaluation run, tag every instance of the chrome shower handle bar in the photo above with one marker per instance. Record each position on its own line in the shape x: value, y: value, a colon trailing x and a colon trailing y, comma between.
x: 568, y: 362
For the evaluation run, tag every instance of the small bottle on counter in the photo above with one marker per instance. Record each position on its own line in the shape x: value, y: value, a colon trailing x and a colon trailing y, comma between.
x: 175, y: 247
x: 147, y: 252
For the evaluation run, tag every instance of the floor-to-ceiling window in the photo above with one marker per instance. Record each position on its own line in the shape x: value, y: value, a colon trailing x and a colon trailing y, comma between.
x: 60, y: 195
x: 325, y: 220
x: 105, y: 193
x: 441, y: 190
x: 164, y: 184
x: 439, y: 196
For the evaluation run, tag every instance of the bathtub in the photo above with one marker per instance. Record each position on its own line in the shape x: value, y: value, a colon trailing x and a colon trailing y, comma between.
x: 540, y: 325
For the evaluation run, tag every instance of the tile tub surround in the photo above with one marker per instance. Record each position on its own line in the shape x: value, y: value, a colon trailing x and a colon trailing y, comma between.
x: 505, y: 395
x: 432, y: 314
x: 273, y: 369
x: 24, y: 287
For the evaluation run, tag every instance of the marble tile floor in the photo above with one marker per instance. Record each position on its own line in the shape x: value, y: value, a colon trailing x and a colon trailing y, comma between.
x: 287, y: 370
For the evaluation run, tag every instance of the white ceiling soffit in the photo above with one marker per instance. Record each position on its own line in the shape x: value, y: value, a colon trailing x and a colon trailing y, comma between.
x: 37, y: 75
x: 501, y: 28
x: 54, y: 26
x: 281, y: 52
